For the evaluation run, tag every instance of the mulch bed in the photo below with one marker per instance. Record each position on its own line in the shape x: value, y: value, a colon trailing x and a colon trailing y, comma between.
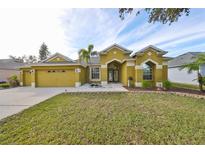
x: 179, y: 91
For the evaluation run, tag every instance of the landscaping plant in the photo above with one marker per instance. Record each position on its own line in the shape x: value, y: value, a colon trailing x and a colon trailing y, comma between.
x: 194, y: 66
x: 167, y: 84
x: 147, y: 84
x: 13, y: 81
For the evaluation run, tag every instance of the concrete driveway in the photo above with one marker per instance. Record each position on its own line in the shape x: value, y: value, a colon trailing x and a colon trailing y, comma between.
x: 15, y: 100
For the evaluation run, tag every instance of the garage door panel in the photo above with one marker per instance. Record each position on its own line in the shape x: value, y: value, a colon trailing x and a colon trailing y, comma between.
x: 55, y: 78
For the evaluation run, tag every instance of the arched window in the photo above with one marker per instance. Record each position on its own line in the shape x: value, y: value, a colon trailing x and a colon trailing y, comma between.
x: 147, y: 71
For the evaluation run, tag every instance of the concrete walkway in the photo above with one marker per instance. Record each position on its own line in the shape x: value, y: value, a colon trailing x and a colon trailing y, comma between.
x: 15, y: 100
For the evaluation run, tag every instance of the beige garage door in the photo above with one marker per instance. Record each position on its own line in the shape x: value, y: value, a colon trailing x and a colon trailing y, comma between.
x: 55, y: 78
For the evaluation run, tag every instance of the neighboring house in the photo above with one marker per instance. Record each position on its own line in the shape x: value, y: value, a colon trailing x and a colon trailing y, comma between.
x: 9, y: 67
x: 182, y: 76
x: 115, y: 64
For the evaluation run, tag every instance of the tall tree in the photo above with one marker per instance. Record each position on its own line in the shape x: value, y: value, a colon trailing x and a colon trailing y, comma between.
x: 43, y: 52
x: 162, y: 15
x: 194, y: 66
x: 85, y: 54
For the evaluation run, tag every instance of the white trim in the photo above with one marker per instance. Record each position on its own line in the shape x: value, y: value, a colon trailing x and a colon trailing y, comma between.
x: 138, y: 67
x: 77, y: 84
x: 57, y: 55
x: 160, y: 51
x: 156, y: 63
x: 49, y: 64
x: 103, y: 82
x: 165, y: 63
x: 113, y: 60
x: 138, y: 84
x: 159, y: 84
x: 21, y: 83
x: 33, y: 84
x: 158, y: 66
x: 129, y: 59
x: 116, y: 46
x: 103, y: 66
x: 130, y: 63
x: 90, y: 74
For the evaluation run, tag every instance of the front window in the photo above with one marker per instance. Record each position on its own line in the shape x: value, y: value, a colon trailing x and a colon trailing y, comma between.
x: 95, y: 73
x: 147, y: 72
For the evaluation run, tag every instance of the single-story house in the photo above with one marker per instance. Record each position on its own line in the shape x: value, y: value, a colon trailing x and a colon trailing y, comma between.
x: 111, y: 65
x: 182, y: 76
x: 9, y: 67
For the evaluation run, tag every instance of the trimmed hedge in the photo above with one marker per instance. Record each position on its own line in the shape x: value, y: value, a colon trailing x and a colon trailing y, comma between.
x: 147, y: 84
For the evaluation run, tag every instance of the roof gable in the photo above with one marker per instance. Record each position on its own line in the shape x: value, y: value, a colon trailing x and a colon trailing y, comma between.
x: 158, y: 50
x: 57, y: 58
x: 127, y: 51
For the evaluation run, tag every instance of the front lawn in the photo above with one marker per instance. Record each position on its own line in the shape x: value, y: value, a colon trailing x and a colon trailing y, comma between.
x: 109, y: 118
x: 185, y: 86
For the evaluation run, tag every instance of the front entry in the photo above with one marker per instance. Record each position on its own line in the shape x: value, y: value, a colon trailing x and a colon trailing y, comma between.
x: 113, y: 75
x: 114, y: 72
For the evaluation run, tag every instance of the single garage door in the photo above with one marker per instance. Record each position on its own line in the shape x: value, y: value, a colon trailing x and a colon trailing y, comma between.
x: 55, y: 78
x: 26, y: 78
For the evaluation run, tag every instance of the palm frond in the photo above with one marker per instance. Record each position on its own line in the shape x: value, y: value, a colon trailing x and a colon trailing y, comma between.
x: 194, y: 66
x: 90, y: 48
x: 201, y: 58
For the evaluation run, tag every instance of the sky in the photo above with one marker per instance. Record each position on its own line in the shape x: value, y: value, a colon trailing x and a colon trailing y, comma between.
x: 22, y: 31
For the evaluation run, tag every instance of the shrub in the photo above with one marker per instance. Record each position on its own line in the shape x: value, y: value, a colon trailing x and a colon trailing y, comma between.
x: 4, y: 85
x: 146, y: 84
x: 13, y: 81
x: 167, y: 84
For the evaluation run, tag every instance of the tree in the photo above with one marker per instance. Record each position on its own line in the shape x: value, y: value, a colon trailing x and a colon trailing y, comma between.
x: 194, y: 66
x: 162, y: 15
x: 43, y: 52
x: 31, y: 59
x: 85, y: 54
x: 20, y: 59
x: 25, y: 59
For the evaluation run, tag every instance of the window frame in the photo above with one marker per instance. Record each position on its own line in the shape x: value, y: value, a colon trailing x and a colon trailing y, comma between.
x: 150, y: 73
x: 91, y: 73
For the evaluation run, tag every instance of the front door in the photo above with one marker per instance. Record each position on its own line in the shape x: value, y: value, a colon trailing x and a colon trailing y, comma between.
x: 113, y: 75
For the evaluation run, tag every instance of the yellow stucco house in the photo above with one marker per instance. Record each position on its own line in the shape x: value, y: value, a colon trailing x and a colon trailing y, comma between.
x: 115, y: 64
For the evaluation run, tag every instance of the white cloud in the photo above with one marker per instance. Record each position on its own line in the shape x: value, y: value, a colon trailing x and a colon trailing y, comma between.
x: 97, y: 26
x: 23, y: 30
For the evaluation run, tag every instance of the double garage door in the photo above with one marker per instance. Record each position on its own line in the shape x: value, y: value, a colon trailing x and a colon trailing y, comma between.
x: 55, y: 78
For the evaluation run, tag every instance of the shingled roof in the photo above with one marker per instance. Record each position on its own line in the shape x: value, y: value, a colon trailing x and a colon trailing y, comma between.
x: 10, y: 64
x: 183, y: 59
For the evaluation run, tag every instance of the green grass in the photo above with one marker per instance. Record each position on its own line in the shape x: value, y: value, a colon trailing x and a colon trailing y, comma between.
x: 185, y: 86
x: 109, y: 118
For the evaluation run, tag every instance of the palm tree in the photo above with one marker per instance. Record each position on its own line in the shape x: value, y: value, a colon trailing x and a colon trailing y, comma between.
x: 85, y: 54
x: 194, y: 66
